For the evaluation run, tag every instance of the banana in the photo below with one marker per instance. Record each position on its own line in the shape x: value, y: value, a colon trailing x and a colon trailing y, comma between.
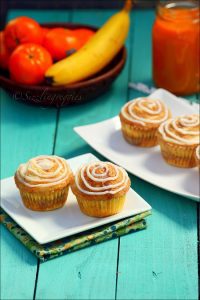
x: 95, y: 54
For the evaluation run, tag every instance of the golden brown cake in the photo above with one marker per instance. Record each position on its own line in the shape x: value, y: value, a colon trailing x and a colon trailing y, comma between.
x: 100, y: 188
x: 197, y: 156
x: 178, y: 139
x: 44, y: 182
x: 140, y: 119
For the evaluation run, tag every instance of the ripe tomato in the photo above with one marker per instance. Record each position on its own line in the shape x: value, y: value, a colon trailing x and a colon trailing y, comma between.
x: 83, y: 35
x: 4, y: 55
x: 61, y: 42
x: 22, y: 30
x: 28, y: 63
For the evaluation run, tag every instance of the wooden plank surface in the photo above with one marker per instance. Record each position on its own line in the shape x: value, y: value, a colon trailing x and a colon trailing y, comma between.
x: 26, y: 131
x: 89, y: 273
x: 160, y: 263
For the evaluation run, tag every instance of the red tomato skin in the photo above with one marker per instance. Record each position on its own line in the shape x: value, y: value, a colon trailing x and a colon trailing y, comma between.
x: 22, y: 30
x: 4, y: 54
x: 28, y: 64
x: 60, y: 42
x: 83, y: 34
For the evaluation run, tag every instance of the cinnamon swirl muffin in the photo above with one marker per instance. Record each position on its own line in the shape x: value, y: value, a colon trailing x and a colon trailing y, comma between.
x: 140, y: 119
x: 44, y: 182
x: 178, y: 139
x: 100, y: 188
x: 197, y: 156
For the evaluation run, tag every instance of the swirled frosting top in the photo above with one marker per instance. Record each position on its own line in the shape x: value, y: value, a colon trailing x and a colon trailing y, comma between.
x: 101, y: 178
x: 145, y: 111
x: 181, y: 130
x: 44, y: 171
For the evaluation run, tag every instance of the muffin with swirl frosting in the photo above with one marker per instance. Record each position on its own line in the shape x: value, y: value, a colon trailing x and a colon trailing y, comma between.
x: 101, y: 188
x: 140, y: 119
x: 178, y: 139
x: 44, y: 182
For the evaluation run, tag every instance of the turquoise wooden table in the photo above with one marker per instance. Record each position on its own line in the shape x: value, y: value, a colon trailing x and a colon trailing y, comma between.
x: 158, y: 263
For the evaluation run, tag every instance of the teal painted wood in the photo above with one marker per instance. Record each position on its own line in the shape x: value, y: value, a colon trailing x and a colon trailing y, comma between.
x: 41, y: 16
x: 26, y: 131
x: 86, y: 274
x: 164, y: 257
x: 160, y: 263
x: 89, y: 273
x: 18, y: 268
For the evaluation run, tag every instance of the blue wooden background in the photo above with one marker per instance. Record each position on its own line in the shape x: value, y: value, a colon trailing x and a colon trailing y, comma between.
x: 159, y: 263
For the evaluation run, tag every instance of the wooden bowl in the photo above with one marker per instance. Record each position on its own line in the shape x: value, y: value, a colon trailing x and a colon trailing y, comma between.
x: 44, y: 95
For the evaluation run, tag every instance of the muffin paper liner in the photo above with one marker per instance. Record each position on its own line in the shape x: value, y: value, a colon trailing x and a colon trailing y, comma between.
x: 177, y: 155
x: 44, y: 201
x: 101, y: 208
x: 76, y: 242
x: 138, y: 136
x: 197, y: 161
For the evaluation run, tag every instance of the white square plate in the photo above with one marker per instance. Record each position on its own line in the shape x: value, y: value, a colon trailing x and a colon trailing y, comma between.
x: 146, y: 163
x: 49, y: 226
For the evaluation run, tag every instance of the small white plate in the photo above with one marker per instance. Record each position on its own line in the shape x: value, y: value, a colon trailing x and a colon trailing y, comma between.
x: 146, y: 163
x: 49, y: 226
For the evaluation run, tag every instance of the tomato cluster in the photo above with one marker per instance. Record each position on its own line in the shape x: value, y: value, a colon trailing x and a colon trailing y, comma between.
x: 27, y: 49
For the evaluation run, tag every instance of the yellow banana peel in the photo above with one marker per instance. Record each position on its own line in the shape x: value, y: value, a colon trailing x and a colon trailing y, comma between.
x: 95, y: 54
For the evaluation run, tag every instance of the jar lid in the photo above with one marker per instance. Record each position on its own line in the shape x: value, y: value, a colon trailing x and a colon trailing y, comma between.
x: 187, y: 10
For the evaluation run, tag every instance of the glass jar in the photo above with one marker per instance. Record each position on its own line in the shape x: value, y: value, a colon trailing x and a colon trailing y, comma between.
x: 176, y: 47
